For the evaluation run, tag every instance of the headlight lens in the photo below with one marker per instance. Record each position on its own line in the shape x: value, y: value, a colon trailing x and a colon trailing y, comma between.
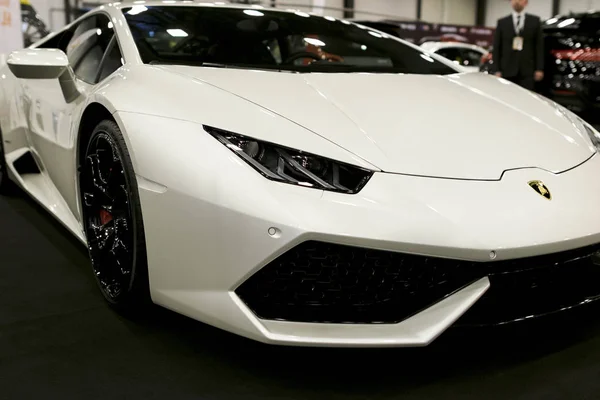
x: 577, y: 121
x: 295, y: 167
x: 594, y: 135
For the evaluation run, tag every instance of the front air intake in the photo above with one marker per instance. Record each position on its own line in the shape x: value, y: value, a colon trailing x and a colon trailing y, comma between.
x: 329, y: 283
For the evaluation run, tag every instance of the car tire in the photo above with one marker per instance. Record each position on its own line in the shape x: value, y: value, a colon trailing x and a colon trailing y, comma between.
x: 112, y: 219
x: 6, y: 185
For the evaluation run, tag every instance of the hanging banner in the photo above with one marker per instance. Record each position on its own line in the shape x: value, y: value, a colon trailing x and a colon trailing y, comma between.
x: 11, y: 37
x: 421, y: 32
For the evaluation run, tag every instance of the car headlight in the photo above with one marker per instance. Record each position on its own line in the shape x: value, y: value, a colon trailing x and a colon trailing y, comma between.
x: 594, y: 135
x: 577, y: 122
x: 295, y: 167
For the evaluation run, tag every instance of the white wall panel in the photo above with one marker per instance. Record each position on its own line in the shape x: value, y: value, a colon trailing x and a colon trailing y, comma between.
x: 461, y: 12
x: 51, y: 12
x: 304, y: 5
x: 338, y: 4
x: 567, y: 6
x: 497, y: 9
x: 10, y: 28
x: 541, y: 8
x: 433, y: 10
x: 400, y: 9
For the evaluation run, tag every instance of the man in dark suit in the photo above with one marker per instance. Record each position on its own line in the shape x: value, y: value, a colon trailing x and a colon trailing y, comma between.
x: 519, y: 47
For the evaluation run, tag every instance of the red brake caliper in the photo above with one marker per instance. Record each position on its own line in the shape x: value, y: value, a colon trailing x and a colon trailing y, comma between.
x: 105, y: 217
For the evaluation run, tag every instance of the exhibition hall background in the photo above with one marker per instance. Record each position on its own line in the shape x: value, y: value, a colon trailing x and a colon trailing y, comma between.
x: 460, y: 12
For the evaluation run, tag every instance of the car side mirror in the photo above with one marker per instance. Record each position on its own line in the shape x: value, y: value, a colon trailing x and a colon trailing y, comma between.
x: 37, y: 63
x: 45, y: 64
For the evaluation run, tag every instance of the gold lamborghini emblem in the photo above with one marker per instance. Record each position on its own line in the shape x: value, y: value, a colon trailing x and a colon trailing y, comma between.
x: 540, y: 188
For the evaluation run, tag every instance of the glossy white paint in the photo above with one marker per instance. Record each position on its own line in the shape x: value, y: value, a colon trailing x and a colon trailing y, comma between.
x: 373, y: 117
x: 435, y: 46
x: 38, y: 57
x: 44, y: 64
x: 207, y: 213
x: 419, y: 330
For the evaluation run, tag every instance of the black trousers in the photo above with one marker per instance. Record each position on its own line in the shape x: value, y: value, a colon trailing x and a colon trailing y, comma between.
x: 525, y: 81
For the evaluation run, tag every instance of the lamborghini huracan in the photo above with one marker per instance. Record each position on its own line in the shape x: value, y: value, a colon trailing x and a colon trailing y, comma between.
x: 300, y: 179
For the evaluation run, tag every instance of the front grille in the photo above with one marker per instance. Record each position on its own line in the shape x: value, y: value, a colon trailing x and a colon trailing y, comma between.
x: 549, y: 284
x: 594, y: 89
x: 330, y: 283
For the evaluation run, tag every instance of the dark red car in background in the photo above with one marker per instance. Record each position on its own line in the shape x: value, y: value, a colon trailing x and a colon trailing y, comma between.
x: 572, y: 67
x: 572, y: 48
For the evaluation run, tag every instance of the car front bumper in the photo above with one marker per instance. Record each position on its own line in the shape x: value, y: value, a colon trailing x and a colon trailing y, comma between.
x: 212, y: 222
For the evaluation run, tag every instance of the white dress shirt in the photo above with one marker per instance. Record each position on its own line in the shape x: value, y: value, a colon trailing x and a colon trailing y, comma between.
x: 521, y: 26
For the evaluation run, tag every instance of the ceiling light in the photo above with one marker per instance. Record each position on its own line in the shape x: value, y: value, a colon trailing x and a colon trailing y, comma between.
x: 177, y: 32
x: 314, y: 42
x: 137, y: 10
x: 253, y: 13
x: 566, y: 22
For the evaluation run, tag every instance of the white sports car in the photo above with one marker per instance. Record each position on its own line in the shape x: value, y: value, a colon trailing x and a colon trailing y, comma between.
x: 282, y: 176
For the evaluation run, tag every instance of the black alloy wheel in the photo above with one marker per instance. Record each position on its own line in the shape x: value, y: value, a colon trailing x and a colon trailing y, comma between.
x: 112, y: 218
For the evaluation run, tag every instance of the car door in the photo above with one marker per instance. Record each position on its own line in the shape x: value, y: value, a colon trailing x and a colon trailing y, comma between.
x: 93, y: 53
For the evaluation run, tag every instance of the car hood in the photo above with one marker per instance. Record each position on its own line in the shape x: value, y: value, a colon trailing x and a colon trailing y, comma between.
x: 462, y: 126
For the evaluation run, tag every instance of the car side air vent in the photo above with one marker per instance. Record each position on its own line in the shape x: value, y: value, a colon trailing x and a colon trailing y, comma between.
x: 26, y: 164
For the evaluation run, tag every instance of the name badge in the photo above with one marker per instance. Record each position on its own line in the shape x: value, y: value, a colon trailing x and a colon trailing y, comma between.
x: 518, y: 43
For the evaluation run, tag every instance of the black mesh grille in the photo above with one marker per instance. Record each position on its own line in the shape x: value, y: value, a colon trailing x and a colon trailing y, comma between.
x: 322, y: 282
x: 523, y: 289
x: 594, y: 88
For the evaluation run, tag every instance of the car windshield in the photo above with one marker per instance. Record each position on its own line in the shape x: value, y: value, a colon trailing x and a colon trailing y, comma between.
x: 266, y: 39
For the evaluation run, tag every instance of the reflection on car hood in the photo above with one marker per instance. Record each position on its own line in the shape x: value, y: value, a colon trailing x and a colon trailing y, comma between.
x: 465, y: 126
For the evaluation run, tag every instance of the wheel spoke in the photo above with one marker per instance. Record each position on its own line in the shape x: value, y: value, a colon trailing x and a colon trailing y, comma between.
x: 121, y: 225
x: 99, y: 177
x: 89, y: 199
x: 103, y: 235
x: 120, y: 252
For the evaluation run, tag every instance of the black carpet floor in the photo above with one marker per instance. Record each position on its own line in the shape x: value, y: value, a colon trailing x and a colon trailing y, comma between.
x: 58, y: 339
